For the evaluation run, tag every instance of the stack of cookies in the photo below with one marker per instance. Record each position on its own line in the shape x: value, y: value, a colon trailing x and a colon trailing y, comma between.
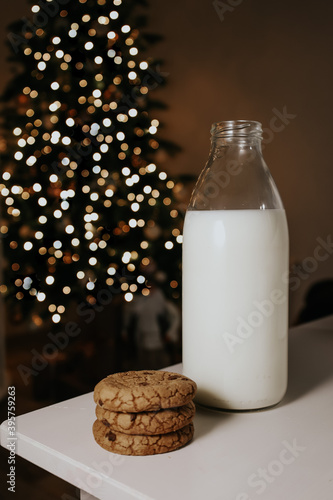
x: 144, y: 412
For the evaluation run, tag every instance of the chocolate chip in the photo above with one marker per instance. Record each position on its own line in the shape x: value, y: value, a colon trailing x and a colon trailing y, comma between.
x: 105, y: 422
x: 173, y: 377
x: 133, y: 417
x: 111, y: 436
x: 100, y: 402
x: 143, y: 383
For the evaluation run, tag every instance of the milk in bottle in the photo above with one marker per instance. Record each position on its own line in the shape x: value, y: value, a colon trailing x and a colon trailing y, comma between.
x: 235, y: 275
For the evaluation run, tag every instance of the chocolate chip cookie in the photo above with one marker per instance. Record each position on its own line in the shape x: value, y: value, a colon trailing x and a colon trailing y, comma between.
x: 148, y: 422
x: 144, y: 390
x: 133, y: 444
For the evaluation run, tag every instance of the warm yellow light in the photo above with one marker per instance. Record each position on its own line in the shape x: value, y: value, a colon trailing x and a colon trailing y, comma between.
x: 41, y: 296
x: 128, y: 296
x: 27, y: 246
x: 56, y: 318
x: 69, y: 229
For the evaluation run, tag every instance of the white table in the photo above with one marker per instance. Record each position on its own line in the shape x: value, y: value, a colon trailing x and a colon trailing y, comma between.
x: 282, y: 453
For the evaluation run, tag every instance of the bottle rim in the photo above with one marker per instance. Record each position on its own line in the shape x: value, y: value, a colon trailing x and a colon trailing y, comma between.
x: 237, y: 128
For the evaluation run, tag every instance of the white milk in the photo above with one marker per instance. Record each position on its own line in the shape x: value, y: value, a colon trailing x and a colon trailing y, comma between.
x: 235, y: 306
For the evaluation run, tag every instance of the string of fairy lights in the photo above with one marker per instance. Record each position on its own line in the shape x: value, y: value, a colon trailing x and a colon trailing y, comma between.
x: 76, y: 129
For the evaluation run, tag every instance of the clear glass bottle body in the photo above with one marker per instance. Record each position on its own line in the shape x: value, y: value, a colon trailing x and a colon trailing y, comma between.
x: 235, y: 276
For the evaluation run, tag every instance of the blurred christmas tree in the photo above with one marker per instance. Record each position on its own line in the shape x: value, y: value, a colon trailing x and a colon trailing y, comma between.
x: 85, y: 210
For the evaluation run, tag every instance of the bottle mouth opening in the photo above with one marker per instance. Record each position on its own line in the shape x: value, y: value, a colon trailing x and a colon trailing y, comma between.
x: 237, y: 128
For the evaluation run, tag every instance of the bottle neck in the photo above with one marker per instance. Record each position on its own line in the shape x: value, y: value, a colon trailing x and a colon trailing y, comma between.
x: 237, y: 135
x: 238, y: 148
x: 239, y: 129
x: 235, y: 175
x: 236, y: 142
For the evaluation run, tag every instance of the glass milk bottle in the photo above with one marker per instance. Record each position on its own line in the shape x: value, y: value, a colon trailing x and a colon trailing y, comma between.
x: 235, y: 268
